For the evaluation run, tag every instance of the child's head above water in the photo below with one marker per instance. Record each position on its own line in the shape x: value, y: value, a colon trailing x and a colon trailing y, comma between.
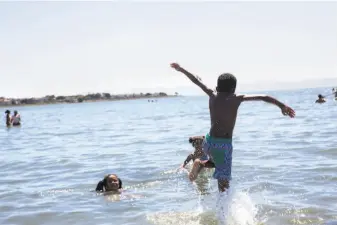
x: 110, y: 182
x: 226, y: 83
x: 196, y: 141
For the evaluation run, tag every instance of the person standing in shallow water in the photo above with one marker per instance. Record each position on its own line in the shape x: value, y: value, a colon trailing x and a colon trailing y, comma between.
x: 16, y: 119
x: 223, y: 108
x: 8, y: 118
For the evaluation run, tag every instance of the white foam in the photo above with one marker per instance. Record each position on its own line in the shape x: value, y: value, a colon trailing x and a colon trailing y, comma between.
x: 235, y: 208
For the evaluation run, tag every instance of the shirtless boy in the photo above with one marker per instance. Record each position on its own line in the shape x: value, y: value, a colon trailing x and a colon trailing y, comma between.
x: 223, y: 107
x: 196, y: 142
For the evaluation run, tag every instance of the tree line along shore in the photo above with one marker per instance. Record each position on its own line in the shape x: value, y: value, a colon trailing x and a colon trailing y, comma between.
x: 52, y: 99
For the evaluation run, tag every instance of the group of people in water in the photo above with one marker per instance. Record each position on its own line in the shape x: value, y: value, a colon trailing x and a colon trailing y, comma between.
x: 213, y: 150
x: 14, y: 120
x: 321, y: 98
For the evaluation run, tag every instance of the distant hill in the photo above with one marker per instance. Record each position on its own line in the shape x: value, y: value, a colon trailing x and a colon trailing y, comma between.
x: 329, y: 83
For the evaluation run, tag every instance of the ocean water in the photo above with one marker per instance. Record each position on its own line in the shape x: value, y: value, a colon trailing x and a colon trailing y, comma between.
x: 284, y: 170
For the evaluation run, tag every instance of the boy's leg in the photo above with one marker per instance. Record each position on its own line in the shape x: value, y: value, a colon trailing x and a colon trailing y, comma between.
x: 223, y: 185
x: 196, y: 168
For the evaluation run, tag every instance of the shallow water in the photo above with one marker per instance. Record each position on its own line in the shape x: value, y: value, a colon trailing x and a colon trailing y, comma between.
x: 284, y: 170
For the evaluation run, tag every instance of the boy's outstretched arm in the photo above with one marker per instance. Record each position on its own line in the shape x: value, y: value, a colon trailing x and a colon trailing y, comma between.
x: 194, y: 79
x: 286, y: 110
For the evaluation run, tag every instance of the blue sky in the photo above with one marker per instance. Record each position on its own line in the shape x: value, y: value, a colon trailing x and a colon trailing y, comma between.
x: 80, y: 47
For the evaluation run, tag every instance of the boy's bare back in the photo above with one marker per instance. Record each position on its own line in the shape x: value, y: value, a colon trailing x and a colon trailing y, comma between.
x: 223, y: 112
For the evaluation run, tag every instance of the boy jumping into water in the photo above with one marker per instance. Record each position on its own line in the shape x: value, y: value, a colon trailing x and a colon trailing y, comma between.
x: 223, y: 107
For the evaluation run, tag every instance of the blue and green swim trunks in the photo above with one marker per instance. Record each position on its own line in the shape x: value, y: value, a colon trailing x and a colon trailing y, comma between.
x: 220, y: 151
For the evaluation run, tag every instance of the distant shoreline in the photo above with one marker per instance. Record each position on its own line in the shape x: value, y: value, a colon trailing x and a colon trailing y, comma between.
x: 77, y: 99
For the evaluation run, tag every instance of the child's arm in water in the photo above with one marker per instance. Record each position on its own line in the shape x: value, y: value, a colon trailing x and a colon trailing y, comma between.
x: 194, y: 79
x: 286, y: 110
x: 187, y: 160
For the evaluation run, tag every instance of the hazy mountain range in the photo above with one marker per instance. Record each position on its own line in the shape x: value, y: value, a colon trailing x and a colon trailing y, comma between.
x: 329, y: 83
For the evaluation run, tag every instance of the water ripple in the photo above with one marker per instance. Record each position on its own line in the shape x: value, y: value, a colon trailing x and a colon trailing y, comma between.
x: 52, y: 163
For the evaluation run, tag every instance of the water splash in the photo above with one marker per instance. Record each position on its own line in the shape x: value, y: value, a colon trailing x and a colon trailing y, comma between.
x: 235, y: 208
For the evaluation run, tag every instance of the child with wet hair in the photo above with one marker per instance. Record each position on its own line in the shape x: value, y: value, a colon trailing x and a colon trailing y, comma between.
x: 110, y: 182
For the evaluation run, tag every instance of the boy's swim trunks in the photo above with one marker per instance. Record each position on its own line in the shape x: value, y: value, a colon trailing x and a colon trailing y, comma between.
x: 220, y: 151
